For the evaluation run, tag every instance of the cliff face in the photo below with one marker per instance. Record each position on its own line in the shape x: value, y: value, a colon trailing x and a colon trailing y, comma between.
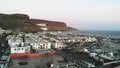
x: 21, y: 22
x: 16, y: 22
x: 51, y: 25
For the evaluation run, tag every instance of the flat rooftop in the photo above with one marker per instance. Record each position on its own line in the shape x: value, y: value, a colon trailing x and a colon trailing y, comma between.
x: 41, y: 62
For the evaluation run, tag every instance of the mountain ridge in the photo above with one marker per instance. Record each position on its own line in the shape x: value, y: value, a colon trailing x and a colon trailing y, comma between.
x: 22, y: 22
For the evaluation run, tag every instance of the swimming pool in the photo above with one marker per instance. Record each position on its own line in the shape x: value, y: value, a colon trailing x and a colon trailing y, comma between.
x: 44, y: 50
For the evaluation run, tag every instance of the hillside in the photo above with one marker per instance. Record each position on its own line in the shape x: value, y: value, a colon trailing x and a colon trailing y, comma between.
x: 16, y: 22
x: 21, y: 22
x: 50, y: 25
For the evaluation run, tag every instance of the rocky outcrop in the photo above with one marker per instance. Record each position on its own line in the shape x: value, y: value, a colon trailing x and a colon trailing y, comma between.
x: 21, y: 22
x: 51, y: 25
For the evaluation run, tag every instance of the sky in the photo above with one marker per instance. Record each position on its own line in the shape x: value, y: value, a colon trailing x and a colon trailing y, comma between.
x: 80, y: 14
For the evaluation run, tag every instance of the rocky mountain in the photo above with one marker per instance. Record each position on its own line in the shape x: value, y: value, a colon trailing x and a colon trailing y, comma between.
x: 50, y: 25
x: 22, y: 22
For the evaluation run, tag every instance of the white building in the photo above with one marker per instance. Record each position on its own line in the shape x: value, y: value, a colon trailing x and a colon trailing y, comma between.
x: 34, y: 45
x: 41, y: 45
x: 44, y: 45
x: 18, y: 46
x: 44, y: 28
x: 16, y: 49
x: 58, y: 45
x: 90, y: 39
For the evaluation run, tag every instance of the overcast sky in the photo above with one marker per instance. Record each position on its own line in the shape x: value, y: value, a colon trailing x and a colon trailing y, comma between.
x: 81, y: 14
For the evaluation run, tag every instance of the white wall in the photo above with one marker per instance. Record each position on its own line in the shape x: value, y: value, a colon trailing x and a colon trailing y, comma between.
x: 58, y: 45
x: 18, y: 49
x: 45, y: 45
x: 34, y: 45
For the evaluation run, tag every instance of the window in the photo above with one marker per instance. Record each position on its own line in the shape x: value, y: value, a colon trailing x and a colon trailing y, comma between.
x: 22, y: 48
x: 15, y: 49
